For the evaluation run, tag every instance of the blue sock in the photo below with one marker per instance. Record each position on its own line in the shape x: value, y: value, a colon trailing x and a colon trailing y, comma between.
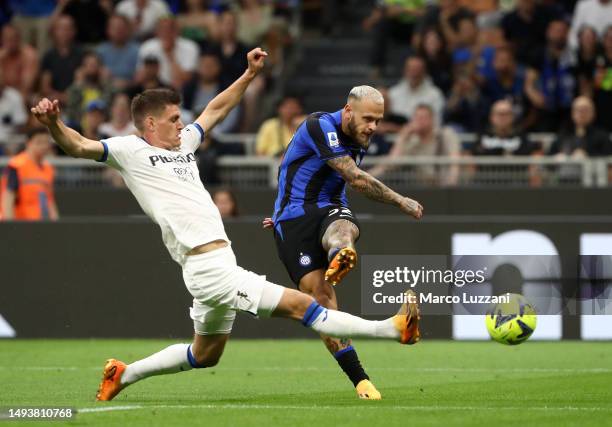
x: 349, y: 362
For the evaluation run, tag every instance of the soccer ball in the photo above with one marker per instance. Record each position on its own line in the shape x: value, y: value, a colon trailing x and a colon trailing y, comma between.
x: 512, y: 322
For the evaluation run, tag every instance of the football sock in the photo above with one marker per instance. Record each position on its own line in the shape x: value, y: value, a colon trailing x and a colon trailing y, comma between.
x: 349, y: 362
x: 344, y: 325
x: 173, y: 359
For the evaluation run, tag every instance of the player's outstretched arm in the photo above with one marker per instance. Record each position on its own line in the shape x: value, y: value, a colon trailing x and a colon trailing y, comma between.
x: 222, y: 104
x: 73, y: 143
x: 371, y: 187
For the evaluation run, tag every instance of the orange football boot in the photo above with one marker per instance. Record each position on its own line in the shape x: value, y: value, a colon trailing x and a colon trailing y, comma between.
x: 343, y: 262
x: 407, y: 319
x: 111, y: 380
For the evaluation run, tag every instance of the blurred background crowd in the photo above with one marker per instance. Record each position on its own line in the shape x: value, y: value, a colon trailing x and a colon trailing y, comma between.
x: 460, y: 78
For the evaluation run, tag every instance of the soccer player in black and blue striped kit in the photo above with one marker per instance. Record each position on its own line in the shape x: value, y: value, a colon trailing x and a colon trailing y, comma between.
x: 314, y: 227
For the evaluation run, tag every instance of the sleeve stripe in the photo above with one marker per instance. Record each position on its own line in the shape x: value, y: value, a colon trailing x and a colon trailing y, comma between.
x: 199, y: 128
x: 104, y: 157
x: 318, y: 136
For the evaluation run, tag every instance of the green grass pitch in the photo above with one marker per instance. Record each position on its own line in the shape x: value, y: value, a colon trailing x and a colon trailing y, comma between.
x: 296, y: 383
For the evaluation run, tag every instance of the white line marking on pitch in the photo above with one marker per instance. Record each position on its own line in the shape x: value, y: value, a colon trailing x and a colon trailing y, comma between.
x: 335, y: 408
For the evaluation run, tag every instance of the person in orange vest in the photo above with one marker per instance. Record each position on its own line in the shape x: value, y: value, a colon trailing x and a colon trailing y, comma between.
x: 27, y: 182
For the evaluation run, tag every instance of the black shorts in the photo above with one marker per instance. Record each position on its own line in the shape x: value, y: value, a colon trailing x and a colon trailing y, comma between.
x: 299, y: 240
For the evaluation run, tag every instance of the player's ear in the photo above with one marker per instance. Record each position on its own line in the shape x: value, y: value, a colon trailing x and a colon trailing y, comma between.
x: 149, y: 123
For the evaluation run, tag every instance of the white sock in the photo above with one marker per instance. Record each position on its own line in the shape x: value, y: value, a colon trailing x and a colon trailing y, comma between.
x: 170, y: 360
x: 344, y: 325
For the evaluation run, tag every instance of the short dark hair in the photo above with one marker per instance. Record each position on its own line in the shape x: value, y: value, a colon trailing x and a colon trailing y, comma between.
x: 38, y: 130
x: 152, y: 101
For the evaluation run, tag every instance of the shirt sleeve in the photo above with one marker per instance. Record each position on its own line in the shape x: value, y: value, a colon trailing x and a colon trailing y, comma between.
x: 323, y: 138
x: 192, y: 136
x: 117, y: 151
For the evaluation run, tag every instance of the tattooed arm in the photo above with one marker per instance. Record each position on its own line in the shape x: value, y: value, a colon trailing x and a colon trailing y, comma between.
x: 372, y: 188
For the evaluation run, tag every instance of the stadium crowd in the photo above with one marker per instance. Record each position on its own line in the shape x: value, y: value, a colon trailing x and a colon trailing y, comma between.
x: 496, y: 68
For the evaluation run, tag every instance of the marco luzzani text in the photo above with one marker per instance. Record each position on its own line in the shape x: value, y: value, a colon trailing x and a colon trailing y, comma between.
x: 407, y: 277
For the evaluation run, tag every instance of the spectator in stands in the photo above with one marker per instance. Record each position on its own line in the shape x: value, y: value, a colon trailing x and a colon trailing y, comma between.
x: 502, y: 138
x: 95, y: 115
x: 603, y: 82
x: 32, y: 17
x: 415, y: 88
x: 583, y: 139
x: 205, y: 85
x: 147, y: 77
x: 13, y: 115
x: 525, y: 27
x: 90, y: 17
x: 254, y: 19
x: 90, y: 83
x: 594, y: 13
x: 177, y: 56
x: 275, y: 133
x: 392, y: 20
x: 120, y: 123
x: 422, y: 137
x: 470, y: 56
x: 27, y: 182
x: 507, y: 81
x: 550, y: 82
x: 588, y: 51
x: 60, y: 63
x: 437, y: 59
x: 19, y: 61
x: 144, y: 14
x: 445, y: 17
x: 226, y: 202
x: 233, y: 63
x: 197, y: 22
x: 465, y: 109
x: 119, y: 54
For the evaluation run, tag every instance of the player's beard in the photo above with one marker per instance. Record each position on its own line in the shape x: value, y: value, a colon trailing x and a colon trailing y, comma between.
x: 362, y: 140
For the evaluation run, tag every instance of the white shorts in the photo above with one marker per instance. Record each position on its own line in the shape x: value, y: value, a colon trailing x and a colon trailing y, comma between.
x: 220, y: 288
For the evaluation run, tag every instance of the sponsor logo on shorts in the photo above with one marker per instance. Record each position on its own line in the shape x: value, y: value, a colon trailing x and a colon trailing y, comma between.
x: 243, y: 295
x: 305, y: 260
x: 332, y: 137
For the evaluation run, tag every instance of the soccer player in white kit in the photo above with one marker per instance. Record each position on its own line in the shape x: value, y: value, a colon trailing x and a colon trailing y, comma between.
x: 159, y: 168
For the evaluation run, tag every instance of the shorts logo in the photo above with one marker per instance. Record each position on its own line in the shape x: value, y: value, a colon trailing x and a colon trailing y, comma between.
x: 333, y: 139
x: 305, y: 260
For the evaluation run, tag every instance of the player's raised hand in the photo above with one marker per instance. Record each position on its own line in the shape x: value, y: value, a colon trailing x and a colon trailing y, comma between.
x: 256, y: 59
x: 411, y: 207
x: 267, y: 223
x: 46, y: 111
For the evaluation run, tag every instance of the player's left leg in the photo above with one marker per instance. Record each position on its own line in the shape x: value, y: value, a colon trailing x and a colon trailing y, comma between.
x: 338, y: 241
x: 316, y: 286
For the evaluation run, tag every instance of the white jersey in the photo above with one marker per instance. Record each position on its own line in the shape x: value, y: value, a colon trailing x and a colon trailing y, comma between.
x: 168, y: 188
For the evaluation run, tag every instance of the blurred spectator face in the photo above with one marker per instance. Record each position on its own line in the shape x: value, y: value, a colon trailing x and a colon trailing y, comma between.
x: 556, y: 34
x: 91, y: 67
x: 120, y: 110
x: 587, y: 38
x: 583, y: 111
x: 468, y: 32
x: 167, y: 32
x: 39, y: 145
x: 503, y: 63
x: 526, y: 7
x: 502, y: 116
x: 289, y: 109
x: 364, y: 118
x: 414, y: 71
x: 226, y: 203
x: 432, y: 43
x: 209, y: 68
x: 10, y: 39
x: 422, y: 120
x: 118, y: 29
x: 64, y: 31
x: 228, y: 26
x: 150, y: 69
